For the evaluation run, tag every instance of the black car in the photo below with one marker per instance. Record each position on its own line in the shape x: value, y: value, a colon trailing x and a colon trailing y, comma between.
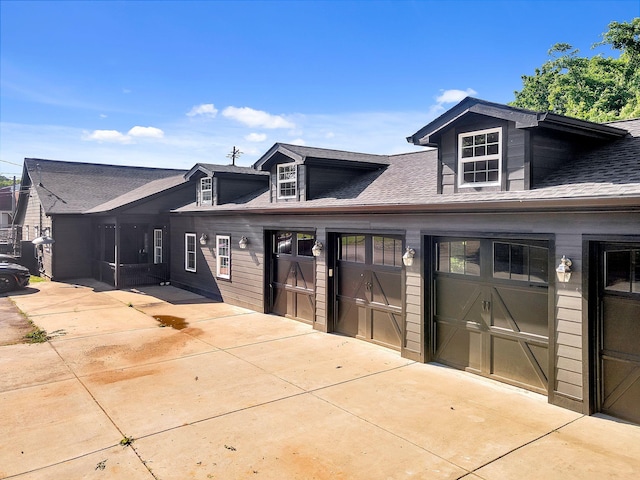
x: 13, y: 276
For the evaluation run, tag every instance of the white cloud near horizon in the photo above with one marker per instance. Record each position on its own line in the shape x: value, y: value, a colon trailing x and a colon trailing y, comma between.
x: 256, y: 118
x: 114, y: 136
x: 453, y: 95
x: 256, y: 137
x: 205, y: 110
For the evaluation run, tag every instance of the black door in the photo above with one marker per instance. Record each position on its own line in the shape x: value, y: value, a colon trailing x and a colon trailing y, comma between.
x: 292, y: 282
x: 369, y: 288
x: 619, y: 331
x: 491, y: 309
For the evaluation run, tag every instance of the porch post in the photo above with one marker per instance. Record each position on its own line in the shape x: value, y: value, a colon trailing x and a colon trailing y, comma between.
x: 117, y: 255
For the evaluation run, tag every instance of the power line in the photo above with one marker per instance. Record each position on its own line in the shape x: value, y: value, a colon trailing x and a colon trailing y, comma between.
x: 12, y: 163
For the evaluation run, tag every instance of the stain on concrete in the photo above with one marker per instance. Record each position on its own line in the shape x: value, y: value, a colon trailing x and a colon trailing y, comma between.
x: 177, y: 323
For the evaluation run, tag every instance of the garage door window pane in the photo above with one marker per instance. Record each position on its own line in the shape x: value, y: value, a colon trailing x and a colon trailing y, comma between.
x: 539, y: 264
x: 618, y: 271
x: 283, y: 243
x: 635, y: 287
x: 305, y: 244
x: 461, y: 257
x: 387, y: 251
x: 501, y: 260
x: 521, y: 262
x: 352, y: 248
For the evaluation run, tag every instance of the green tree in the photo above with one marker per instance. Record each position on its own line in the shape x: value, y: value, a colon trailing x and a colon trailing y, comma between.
x: 599, y: 88
x: 4, y: 181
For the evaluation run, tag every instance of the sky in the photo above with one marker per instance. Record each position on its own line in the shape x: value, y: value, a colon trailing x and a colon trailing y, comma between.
x: 171, y: 84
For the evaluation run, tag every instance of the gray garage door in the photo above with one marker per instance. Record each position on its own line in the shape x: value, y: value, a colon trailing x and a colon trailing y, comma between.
x: 619, y: 346
x: 491, y: 309
x: 369, y: 288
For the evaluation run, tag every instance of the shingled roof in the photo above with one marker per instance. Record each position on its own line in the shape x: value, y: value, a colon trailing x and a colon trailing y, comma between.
x: 302, y: 154
x: 608, y: 172
x: 76, y: 187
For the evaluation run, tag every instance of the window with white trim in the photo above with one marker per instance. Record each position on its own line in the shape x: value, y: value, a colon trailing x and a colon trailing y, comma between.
x: 206, y: 191
x: 287, y: 180
x: 223, y: 254
x: 157, y: 245
x: 480, y: 158
x: 190, y: 252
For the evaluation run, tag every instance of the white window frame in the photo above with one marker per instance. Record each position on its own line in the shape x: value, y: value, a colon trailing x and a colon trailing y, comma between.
x: 157, y: 246
x: 462, y: 161
x: 291, y: 178
x: 206, y: 187
x: 190, y: 253
x: 223, y: 256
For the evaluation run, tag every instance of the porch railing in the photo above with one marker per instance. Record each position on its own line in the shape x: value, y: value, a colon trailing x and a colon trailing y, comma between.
x: 134, y: 274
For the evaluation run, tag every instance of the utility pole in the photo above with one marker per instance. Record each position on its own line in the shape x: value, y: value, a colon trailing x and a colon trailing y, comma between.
x: 235, y: 154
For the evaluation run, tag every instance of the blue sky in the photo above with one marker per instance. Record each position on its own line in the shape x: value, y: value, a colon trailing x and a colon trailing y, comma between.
x: 170, y: 84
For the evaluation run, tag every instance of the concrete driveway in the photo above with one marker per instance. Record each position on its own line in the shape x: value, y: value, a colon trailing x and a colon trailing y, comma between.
x: 233, y: 394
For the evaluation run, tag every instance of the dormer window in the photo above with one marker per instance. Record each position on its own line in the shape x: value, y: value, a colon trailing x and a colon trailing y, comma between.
x: 480, y: 158
x: 287, y: 181
x: 206, y: 191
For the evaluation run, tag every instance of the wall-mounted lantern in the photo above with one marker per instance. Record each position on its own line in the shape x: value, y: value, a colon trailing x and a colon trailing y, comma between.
x: 204, y: 238
x: 43, y: 240
x: 564, y: 270
x: 408, y: 256
x: 244, y: 241
x: 316, y: 250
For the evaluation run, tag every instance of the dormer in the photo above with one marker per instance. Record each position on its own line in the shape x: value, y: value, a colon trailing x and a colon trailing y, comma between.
x: 220, y: 184
x: 485, y: 146
x: 301, y: 173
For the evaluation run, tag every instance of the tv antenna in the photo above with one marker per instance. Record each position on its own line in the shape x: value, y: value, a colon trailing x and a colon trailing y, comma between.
x: 234, y: 155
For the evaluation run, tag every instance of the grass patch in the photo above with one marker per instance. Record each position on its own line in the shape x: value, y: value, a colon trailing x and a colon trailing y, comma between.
x: 126, y: 441
x: 35, y: 279
x: 37, y: 336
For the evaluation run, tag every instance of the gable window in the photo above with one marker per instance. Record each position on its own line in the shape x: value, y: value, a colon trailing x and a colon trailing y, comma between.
x: 223, y: 252
x: 190, y: 252
x: 287, y: 181
x: 206, y: 191
x: 157, y: 245
x: 480, y: 158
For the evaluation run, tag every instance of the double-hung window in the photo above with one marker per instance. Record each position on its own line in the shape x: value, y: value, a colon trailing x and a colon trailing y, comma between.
x: 480, y: 158
x: 223, y: 253
x: 157, y: 245
x: 206, y: 191
x: 190, y: 252
x: 287, y: 180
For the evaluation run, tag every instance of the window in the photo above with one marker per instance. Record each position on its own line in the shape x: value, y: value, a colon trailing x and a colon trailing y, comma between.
x: 223, y: 252
x: 622, y: 270
x: 287, y: 181
x: 206, y: 191
x: 26, y: 232
x: 479, y: 158
x: 462, y: 257
x: 305, y: 244
x: 190, y: 252
x: 157, y: 245
x: 514, y: 261
x: 387, y: 251
x: 352, y: 248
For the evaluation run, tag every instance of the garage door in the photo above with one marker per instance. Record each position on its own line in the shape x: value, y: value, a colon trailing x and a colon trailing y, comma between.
x: 292, y: 278
x: 369, y: 288
x: 619, y: 349
x: 491, y: 309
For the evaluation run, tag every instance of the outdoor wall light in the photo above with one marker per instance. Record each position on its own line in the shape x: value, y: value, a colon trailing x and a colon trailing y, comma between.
x: 316, y: 250
x: 407, y: 258
x: 203, y: 239
x: 43, y: 240
x: 564, y: 271
x: 244, y: 241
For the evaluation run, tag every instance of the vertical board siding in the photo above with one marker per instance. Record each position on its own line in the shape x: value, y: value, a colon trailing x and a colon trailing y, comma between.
x: 414, y: 323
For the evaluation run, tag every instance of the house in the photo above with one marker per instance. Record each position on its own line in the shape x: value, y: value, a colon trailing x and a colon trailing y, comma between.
x: 109, y: 222
x: 449, y: 254
x: 7, y: 206
x: 509, y: 247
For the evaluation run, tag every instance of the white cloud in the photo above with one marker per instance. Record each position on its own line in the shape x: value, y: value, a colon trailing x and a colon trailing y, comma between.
x: 256, y: 118
x: 453, y: 95
x: 256, y: 137
x: 206, y: 110
x: 147, y: 132
x: 298, y: 141
x: 113, y: 136
x: 102, y: 115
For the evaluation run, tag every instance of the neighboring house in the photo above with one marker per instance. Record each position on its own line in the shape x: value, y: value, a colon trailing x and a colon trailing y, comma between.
x: 109, y: 222
x: 446, y: 255
x: 7, y: 205
x: 487, y: 216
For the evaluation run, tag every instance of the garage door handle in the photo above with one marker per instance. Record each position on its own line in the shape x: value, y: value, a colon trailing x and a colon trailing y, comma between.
x: 368, y: 286
x: 486, y: 306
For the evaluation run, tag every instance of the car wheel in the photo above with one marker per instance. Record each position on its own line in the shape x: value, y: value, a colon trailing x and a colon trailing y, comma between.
x: 7, y: 283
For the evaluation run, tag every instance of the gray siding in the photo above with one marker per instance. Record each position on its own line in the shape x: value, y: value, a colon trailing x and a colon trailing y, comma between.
x: 548, y: 153
x: 73, y: 247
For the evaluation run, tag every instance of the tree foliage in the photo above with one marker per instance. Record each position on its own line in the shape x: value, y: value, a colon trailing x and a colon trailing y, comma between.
x: 599, y: 88
x: 4, y: 181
